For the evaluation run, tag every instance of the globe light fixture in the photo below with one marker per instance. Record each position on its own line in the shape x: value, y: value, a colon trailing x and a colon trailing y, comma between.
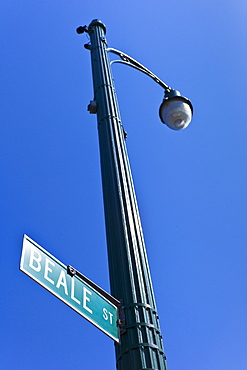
x: 175, y: 111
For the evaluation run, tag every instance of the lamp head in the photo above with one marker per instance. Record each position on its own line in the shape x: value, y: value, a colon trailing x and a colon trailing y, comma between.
x: 175, y: 110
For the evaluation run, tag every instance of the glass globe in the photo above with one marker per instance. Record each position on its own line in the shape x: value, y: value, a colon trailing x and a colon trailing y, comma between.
x: 176, y: 111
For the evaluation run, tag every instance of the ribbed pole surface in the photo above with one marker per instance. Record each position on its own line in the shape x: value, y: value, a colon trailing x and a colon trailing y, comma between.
x: 141, y: 344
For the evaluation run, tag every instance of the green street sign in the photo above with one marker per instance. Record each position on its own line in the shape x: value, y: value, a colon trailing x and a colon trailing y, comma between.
x: 71, y: 287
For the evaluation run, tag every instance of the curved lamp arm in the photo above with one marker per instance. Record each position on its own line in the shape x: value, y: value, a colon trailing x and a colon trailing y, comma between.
x: 129, y: 61
x: 175, y: 111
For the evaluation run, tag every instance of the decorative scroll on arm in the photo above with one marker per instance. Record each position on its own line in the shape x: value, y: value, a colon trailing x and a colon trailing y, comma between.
x: 126, y: 59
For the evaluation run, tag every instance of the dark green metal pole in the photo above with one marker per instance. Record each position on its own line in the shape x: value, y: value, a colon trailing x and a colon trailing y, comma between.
x: 141, y: 341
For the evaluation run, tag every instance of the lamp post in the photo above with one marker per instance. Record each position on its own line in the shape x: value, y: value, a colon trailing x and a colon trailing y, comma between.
x: 141, y: 344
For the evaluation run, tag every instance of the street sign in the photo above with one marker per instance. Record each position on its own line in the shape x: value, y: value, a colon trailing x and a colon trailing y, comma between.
x: 71, y: 287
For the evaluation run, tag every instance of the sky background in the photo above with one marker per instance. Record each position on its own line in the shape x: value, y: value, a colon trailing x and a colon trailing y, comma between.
x: 191, y: 185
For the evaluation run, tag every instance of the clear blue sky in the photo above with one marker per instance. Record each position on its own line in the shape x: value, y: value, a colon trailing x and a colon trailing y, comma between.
x: 191, y: 185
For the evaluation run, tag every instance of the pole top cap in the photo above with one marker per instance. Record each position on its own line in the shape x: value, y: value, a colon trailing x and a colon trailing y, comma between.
x: 96, y: 22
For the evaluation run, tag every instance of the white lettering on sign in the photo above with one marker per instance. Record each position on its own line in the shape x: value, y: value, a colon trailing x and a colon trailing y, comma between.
x: 37, y: 260
x: 86, y: 299
x: 107, y: 315
x: 35, y: 264
x: 71, y: 287
x: 48, y: 269
x: 73, y: 292
x: 62, y: 281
